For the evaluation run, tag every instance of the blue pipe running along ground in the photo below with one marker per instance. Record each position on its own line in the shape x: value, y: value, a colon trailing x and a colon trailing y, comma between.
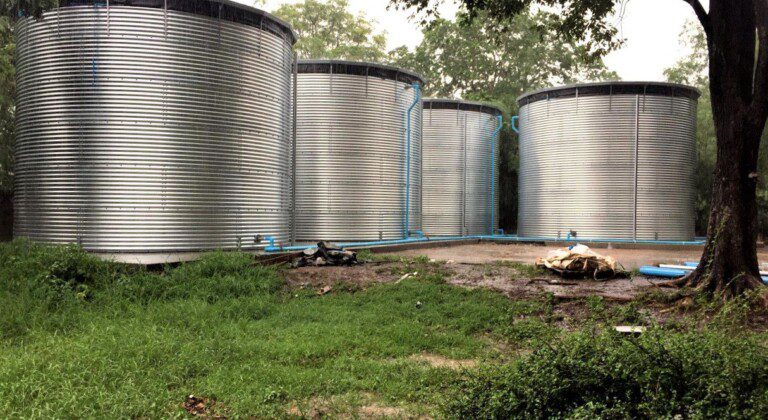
x: 272, y: 247
x: 673, y: 273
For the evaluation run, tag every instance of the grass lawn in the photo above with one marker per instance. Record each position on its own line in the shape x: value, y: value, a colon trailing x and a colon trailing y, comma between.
x: 85, y: 338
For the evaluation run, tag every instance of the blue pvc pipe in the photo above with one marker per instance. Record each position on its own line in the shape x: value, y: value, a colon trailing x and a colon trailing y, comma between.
x: 513, y: 123
x: 650, y: 270
x: 508, y: 238
x: 493, y: 171
x: 416, y: 101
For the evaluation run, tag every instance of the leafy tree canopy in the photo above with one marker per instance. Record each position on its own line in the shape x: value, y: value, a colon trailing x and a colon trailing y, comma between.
x: 328, y: 30
x: 11, y: 10
x: 471, y: 58
x: 586, y: 21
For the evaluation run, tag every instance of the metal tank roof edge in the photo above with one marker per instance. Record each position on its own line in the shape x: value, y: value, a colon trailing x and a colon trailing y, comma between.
x: 610, y: 88
x: 385, y: 71
x: 222, y: 9
x: 462, y: 105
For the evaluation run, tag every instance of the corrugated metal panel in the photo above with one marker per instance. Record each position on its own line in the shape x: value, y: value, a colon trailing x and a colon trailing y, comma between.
x: 457, y: 172
x: 351, y: 158
x: 144, y: 130
x: 608, y: 166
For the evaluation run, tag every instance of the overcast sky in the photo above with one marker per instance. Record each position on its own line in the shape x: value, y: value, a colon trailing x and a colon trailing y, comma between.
x: 651, y: 29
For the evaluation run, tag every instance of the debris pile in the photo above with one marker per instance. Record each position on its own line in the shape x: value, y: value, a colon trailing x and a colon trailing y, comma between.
x: 325, y: 254
x: 204, y: 407
x: 579, y: 261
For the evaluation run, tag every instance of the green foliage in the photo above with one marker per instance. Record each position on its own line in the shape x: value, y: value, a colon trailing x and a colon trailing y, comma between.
x: 7, y: 91
x: 526, y: 271
x: 328, y: 30
x: 11, y: 10
x: 585, y: 22
x: 472, y: 58
x: 592, y: 374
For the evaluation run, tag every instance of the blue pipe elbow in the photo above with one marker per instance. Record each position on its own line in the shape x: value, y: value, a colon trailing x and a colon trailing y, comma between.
x: 272, y: 247
x: 513, y: 123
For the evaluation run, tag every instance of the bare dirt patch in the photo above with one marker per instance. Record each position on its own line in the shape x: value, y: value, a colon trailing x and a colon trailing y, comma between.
x: 361, y: 275
x: 567, y: 298
x: 495, y: 276
x: 527, y: 253
x: 437, y: 361
x: 381, y: 411
x: 509, y: 281
x: 344, y: 407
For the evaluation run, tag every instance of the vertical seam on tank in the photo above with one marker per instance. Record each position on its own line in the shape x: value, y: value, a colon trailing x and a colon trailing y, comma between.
x: 637, y: 148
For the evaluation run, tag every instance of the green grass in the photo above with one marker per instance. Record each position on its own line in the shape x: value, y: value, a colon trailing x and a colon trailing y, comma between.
x: 526, y: 271
x: 80, y: 337
x: 85, y: 338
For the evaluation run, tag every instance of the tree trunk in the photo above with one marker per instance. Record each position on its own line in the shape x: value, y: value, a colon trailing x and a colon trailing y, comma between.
x: 729, y: 265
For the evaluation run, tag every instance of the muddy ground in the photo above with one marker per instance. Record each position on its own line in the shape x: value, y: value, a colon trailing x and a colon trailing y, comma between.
x: 506, y: 269
x: 498, y: 276
x: 525, y: 253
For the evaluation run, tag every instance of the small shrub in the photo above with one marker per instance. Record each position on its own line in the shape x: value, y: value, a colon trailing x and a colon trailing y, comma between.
x: 706, y: 374
x: 525, y: 332
x: 216, y: 276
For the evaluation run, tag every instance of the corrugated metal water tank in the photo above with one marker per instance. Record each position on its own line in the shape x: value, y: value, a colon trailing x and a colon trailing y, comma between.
x: 458, y: 173
x: 146, y: 128
x: 608, y: 161
x: 351, y: 151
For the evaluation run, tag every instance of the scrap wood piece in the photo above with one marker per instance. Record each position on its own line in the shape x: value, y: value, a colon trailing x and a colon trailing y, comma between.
x: 580, y: 261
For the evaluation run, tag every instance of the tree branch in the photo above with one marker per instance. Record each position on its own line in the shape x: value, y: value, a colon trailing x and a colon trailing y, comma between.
x: 701, y: 14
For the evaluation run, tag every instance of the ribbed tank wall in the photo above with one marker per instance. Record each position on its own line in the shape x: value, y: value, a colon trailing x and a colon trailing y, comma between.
x: 143, y: 130
x: 351, y: 158
x: 458, y: 151
x: 608, y: 166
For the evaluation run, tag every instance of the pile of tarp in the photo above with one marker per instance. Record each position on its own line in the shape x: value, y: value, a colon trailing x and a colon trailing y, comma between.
x: 579, y: 261
x: 325, y: 254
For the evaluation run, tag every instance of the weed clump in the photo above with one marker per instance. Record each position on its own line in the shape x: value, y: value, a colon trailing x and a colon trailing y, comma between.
x: 591, y: 374
x: 50, y: 287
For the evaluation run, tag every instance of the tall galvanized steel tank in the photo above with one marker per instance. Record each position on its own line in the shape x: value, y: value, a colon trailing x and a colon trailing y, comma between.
x: 146, y: 129
x: 351, y: 151
x: 459, y: 175
x: 608, y: 161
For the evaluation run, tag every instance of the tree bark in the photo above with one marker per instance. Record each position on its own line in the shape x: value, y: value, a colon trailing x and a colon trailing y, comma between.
x: 735, y: 30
